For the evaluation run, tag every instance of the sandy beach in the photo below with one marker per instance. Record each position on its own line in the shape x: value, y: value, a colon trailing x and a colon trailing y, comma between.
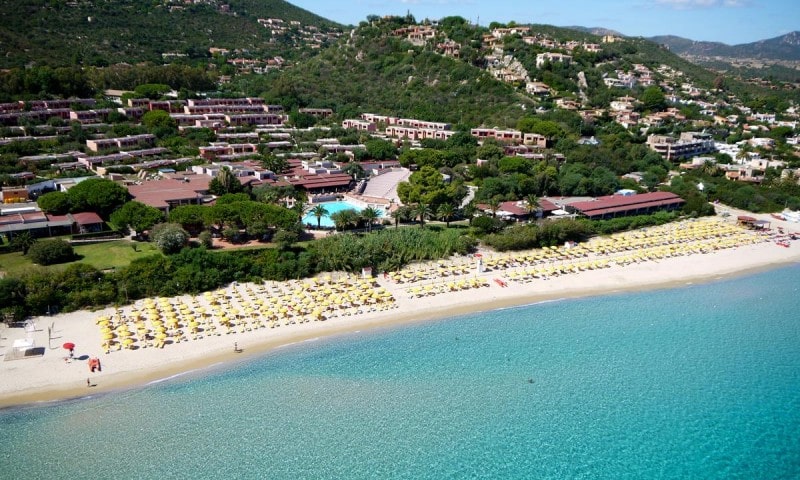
x: 507, y: 280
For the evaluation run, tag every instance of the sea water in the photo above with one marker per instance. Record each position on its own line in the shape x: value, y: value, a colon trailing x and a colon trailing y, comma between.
x: 694, y: 382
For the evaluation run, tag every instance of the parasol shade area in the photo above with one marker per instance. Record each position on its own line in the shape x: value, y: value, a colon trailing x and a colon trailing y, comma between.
x: 69, y: 346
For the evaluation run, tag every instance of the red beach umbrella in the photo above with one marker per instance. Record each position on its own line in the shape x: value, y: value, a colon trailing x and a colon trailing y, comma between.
x: 69, y: 346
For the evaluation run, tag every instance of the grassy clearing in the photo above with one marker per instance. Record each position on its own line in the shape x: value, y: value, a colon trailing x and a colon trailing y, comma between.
x: 114, y: 254
x: 100, y: 255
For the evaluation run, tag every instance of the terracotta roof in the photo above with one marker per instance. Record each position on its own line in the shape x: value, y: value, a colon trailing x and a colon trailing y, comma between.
x: 20, y: 218
x: 87, y: 218
x: 160, y: 193
x: 621, y: 203
x: 517, y: 208
x: 322, y: 181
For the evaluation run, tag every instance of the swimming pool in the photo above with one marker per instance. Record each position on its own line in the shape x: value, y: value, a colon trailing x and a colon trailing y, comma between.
x: 331, y: 207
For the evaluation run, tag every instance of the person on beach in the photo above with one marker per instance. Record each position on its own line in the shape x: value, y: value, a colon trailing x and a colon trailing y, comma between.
x: 88, y: 383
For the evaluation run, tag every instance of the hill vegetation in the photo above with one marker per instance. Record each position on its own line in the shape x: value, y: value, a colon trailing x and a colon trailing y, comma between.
x: 104, y: 32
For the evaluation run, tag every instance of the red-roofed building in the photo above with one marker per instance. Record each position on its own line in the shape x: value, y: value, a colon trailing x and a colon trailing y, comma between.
x: 169, y: 193
x: 88, y: 222
x: 40, y: 224
x: 333, y: 182
x: 621, y: 205
x: 517, y: 210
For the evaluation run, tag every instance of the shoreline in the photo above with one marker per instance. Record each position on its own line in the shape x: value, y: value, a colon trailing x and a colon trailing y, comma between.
x: 48, y: 379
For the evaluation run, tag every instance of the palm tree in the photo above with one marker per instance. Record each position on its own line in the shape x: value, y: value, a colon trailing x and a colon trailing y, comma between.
x: 401, y: 214
x: 369, y: 215
x: 743, y: 153
x: 319, y: 211
x: 345, y: 219
x: 339, y: 220
x: 300, y: 206
x: 23, y: 241
x: 422, y: 210
x: 446, y: 212
x: 469, y: 211
x: 494, y: 205
x: 225, y: 182
x: 531, y: 205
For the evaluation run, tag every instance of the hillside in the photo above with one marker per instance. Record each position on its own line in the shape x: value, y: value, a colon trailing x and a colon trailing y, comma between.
x: 600, y: 31
x: 378, y: 73
x: 103, y: 32
x: 784, y: 47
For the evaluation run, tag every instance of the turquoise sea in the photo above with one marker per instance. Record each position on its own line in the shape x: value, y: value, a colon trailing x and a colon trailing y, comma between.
x: 694, y: 382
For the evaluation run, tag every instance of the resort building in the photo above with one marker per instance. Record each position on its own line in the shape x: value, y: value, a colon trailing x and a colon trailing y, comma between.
x: 689, y: 144
x: 164, y: 194
x: 39, y: 224
x: 621, y: 205
x: 131, y: 141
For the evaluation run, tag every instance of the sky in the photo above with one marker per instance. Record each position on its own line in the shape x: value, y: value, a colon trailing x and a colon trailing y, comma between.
x: 727, y: 21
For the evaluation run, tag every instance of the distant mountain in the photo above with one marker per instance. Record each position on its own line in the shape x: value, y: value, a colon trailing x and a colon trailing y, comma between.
x: 600, y: 31
x: 785, y: 47
x: 101, y: 32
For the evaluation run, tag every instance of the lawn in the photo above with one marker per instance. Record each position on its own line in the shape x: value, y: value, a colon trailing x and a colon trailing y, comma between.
x: 100, y: 255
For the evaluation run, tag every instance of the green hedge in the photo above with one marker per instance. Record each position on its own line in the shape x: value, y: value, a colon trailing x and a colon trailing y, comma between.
x: 93, y: 235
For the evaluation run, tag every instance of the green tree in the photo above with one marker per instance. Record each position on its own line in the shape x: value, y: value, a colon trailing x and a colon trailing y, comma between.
x: 159, y: 123
x: 206, y: 240
x: 370, y: 215
x: 51, y: 251
x: 285, y: 238
x: 56, y: 203
x: 192, y: 218
x: 427, y: 186
x: 494, y: 205
x: 319, y: 211
x: 379, y: 149
x: 12, y: 297
x: 97, y: 195
x: 355, y: 170
x: 490, y: 151
x: 302, y: 120
x: 225, y: 182
x: 422, y: 211
x: 153, y: 91
x: 653, y: 99
x: 531, y: 206
x: 169, y: 237
x: 345, y: 219
x: 274, y: 164
x: 22, y: 242
x: 403, y: 214
x: 275, y: 194
x: 446, y: 213
x: 136, y: 215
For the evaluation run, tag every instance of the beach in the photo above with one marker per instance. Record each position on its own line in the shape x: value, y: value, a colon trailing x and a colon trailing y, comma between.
x: 53, y: 376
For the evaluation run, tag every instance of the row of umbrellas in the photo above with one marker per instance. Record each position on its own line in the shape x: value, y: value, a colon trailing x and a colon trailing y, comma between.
x: 156, y: 322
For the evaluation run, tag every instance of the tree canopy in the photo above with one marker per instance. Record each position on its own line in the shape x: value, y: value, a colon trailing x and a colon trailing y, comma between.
x: 97, y: 195
x: 136, y: 215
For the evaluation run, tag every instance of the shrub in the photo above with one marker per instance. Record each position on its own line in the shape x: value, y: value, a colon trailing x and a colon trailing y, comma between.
x: 485, y: 224
x: 169, y: 237
x: 50, y: 252
x: 205, y: 239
